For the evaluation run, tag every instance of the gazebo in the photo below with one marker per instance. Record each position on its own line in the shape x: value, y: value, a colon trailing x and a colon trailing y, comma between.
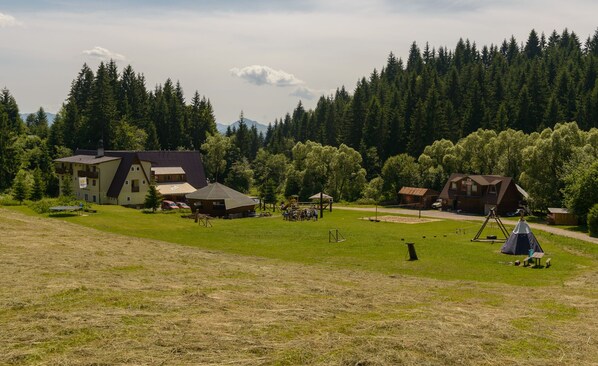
x: 326, y: 200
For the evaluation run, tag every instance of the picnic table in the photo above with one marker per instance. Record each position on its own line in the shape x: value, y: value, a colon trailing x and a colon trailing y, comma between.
x: 537, y: 257
x: 60, y: 209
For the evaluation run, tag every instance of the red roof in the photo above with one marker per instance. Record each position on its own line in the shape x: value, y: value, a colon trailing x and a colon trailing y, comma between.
x: 420, y: 192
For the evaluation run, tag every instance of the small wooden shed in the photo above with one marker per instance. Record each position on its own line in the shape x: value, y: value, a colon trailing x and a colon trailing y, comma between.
x: 418, y: 197
x: 561, y: 216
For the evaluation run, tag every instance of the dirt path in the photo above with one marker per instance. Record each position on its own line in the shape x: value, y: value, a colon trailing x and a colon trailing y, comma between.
x: 452, y: 216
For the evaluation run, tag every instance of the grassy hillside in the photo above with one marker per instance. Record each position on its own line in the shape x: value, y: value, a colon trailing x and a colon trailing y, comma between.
x: 446, y: 252
x: 73, y: 295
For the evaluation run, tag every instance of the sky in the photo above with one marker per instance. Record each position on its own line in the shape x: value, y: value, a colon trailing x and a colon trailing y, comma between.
x: 262, y: 56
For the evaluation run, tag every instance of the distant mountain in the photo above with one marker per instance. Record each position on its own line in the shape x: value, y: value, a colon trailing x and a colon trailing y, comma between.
x: 50, y: 116
x: 260, y: 127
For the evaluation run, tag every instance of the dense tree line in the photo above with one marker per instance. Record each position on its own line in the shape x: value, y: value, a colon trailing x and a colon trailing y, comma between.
x: 448, y: 94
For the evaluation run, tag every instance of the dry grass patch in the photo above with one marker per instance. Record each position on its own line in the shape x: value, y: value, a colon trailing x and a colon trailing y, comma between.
x: 400, y: 219
x: 74, y: 296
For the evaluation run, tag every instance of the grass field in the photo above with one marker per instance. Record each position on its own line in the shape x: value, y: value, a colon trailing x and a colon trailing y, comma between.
x: 265, y: 291
x: 446, y: 252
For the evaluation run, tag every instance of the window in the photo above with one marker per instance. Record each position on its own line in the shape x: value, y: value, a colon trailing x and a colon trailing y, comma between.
x: 94, y: 198
x: 143, y: 182
x: 126, y: 182
x: 218, y: 205
x: 128, y: 198
x: 474, y: 188
x: 86, y: 197
x: 454, y: 186
x: 135, y: 185
x: 132, y: 168
x: 492, y: 190
x: 137, y: 168
x: 93, y: 182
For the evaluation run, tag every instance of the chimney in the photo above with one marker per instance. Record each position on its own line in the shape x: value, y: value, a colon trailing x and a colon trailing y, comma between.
x: 100, y: 151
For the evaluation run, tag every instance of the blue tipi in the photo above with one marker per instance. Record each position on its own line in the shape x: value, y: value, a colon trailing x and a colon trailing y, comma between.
x: 521, y: 241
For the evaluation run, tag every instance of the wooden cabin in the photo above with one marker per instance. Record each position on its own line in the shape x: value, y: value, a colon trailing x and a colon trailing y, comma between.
x: 480, y: 193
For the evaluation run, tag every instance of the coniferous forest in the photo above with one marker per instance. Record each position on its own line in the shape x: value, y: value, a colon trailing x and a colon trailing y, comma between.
x: 471, y: 109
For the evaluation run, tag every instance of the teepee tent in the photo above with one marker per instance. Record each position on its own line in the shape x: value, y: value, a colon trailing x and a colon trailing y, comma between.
x: 521, y: 240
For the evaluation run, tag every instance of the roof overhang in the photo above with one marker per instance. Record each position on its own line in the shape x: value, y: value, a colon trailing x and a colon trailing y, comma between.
x: 169, y: 189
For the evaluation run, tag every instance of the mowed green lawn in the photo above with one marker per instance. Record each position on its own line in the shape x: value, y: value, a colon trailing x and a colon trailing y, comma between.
x: 443, y: 247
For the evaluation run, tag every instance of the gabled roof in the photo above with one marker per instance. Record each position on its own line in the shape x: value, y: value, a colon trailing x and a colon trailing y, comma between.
x: 189, y: 161
x: 216, y: 191
x: 420, y: 192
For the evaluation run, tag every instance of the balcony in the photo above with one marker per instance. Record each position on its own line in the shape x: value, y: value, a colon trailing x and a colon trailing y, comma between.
x: 84, y: 173
x: 61, y: 170
x: 134, y: 189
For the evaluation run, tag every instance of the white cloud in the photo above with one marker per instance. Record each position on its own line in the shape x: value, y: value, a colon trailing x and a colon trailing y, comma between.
x: 264, y: 75
x: 304, y: 92
x: 103, y: 54
x: 8, y: 21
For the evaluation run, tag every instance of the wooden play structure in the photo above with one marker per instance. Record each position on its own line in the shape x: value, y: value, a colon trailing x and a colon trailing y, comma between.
x: 492, y: 216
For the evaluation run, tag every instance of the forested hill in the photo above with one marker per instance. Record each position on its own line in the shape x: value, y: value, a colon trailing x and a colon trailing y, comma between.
x: 119, y: 109
x: 441, y: 93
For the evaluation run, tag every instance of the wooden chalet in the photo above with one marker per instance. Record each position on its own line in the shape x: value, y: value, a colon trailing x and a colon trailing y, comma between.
x: 480, y: 193
x: 421, y: 198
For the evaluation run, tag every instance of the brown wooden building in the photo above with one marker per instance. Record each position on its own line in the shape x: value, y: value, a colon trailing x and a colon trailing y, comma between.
x: 421, y: 198
x: 479, y: 193
x: 561, y: 216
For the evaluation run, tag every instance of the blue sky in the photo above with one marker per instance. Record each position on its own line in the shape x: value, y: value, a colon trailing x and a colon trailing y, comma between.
x: 259, y: 56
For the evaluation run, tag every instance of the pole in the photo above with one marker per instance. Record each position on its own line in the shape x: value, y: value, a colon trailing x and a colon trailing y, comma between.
x: 321, y: 205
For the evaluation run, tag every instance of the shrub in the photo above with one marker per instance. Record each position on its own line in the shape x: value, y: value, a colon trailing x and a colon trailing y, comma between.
x: 7, y: 200
x: 43, y: 205
x: 593, y: 221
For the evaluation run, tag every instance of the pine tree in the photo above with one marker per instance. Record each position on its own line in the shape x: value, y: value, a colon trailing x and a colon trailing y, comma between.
x: 38, y: 188
x: 153, y: 198
x: 66, y: 187
x: 101, y: 115
x: 20, y: 190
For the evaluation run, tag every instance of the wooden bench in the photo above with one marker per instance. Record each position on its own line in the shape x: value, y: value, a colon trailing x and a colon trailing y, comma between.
x: 548, y: 262
x: 526, y: 261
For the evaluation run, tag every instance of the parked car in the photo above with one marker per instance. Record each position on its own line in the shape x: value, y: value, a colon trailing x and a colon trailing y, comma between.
x: 183, y: 205
x: 438, y: 204
x: 169, y: 205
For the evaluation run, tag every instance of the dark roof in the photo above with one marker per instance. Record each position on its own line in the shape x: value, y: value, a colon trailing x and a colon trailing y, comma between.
x: 86, y: 159
x: 190, y: 161
x: 216, y: 191
x: 483, y: 180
